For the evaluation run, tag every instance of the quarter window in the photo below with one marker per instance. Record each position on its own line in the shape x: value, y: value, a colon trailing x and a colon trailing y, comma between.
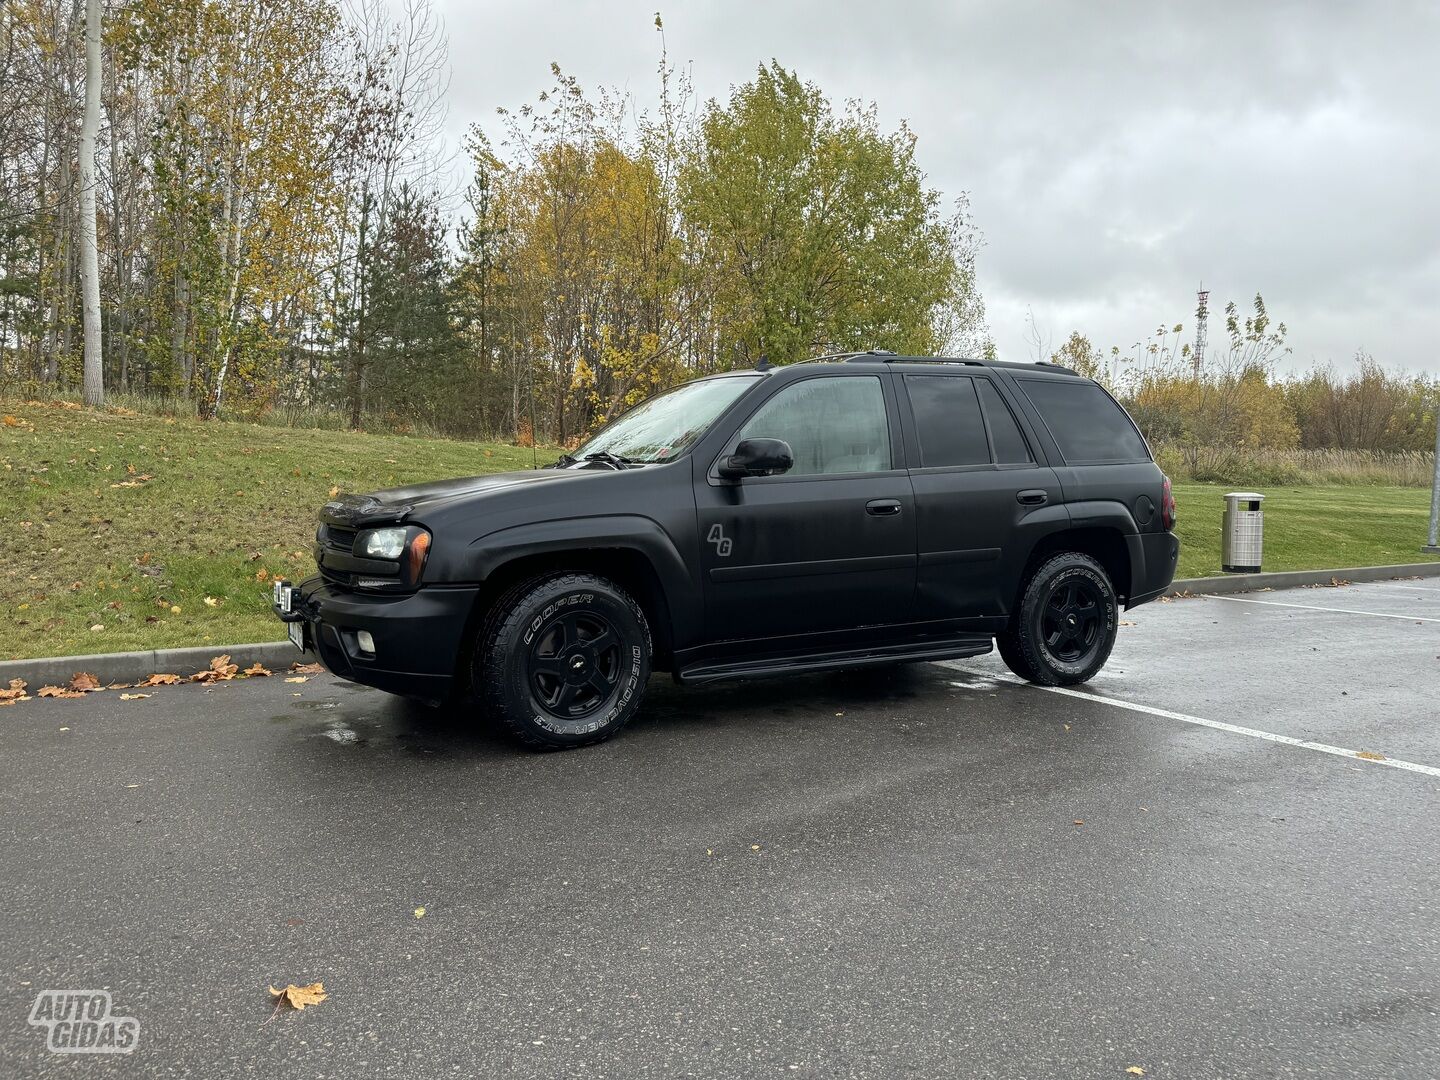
x: 1086, y: 421
x: 834, y: 424
x: 1010, y: 445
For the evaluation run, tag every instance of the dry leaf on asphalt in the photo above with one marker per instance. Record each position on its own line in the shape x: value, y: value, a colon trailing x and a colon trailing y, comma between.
x: 58, y: 692
x: 133, y: 697
x: 1135, y: 1070
x: 255, y: 670
x: 220, y: 670
x: 15, y: 692
x: 84, y: 681
x: 159, y: 679
x: 419, y: 912
x: 1370, y: 755
x: 297, y: 997
x: 298, y: 678
x: 305, y: 669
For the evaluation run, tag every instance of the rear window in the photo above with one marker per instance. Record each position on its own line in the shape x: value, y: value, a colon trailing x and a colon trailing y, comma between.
x: 1010, y: 445
x: 1089, y: 426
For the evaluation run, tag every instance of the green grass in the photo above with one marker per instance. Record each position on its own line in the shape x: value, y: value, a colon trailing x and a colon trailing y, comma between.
x: 227, y: 506
x: 1309, y: 528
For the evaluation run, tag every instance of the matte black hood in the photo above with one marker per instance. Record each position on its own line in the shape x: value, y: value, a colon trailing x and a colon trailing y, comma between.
x: 396, y: 504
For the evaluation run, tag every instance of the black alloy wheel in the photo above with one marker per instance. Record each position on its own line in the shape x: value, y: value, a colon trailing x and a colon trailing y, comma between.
x: 575, y: 664
x: 1070, y: 625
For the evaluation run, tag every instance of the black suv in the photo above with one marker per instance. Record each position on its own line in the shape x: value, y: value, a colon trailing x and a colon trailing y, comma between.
x: 852, y: 510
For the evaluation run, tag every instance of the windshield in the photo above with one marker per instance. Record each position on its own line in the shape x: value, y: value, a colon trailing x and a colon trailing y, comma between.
x: 668, y: 424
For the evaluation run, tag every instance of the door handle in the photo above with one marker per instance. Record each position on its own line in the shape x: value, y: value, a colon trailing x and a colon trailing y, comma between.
x: 1033, y: 497
x: 883, y: 507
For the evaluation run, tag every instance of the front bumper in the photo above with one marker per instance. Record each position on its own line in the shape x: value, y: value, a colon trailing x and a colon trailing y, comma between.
x: 417, y: 636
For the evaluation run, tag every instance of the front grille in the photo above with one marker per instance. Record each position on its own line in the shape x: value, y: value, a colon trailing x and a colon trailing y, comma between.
x: 339, y: 538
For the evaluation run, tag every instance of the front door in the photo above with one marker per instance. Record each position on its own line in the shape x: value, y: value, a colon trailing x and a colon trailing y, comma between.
x: 829, y: 545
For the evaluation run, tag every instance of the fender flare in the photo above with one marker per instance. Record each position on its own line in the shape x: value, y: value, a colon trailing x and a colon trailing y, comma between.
x: 629, y: 532
x: 1090, y: 514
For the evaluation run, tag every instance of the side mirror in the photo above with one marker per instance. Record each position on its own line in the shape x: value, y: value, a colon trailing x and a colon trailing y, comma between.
x: 757, y: 457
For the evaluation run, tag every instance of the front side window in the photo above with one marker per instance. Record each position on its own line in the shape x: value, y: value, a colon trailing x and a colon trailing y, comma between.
x: 834, y: 424
x: 669, y: 423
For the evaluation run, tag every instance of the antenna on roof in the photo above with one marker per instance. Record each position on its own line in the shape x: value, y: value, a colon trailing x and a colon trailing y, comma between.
x: 763, y: 364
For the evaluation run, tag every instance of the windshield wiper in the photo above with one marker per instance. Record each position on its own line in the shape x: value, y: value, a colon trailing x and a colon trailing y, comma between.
x: 563, y: 461
x: 616, y: 461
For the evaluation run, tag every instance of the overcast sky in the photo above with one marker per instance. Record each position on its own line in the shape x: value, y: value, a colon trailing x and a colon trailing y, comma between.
x: 1116, y: 154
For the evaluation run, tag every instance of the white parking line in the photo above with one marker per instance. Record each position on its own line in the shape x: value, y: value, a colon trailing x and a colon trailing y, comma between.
x: 1200, y: 721
x: 1316, y: 607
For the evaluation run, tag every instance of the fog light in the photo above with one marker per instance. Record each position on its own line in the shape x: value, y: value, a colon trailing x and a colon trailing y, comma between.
x: 365, y: 641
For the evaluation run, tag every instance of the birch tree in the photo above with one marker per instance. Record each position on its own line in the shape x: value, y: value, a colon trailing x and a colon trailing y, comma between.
x: 89, y: 250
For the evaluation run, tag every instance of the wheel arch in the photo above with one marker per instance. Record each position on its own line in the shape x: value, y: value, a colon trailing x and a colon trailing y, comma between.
x: 1106, y: 544
x: 633, y: 552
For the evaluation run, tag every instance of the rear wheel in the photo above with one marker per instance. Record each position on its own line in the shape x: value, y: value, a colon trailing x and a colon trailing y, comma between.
x: 1064, y: 629
x: 563, y: 660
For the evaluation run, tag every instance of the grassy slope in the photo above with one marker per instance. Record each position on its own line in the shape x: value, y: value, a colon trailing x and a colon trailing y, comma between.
x: 1310, y: 528
x: 230, y: 505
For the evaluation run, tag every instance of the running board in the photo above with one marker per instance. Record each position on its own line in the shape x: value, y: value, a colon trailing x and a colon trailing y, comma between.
x: 909, y: 652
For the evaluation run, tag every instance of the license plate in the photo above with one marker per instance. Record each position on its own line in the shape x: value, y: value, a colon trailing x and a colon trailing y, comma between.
x: 296, y: 630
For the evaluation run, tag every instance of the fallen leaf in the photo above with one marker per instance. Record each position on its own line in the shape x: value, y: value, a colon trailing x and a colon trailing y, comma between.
x: 58, y: 692
x: 210, y: 601
x: 297, y: 997
x: 1125, y: 622
x: 298, y: 678
x: 1079, y: 821
x: 256, y: 670
x: 97, y: 628
x: 133, y: 697
x: 159, y: 679
x: 174, y: 609
x: 1370, y: 755
x: 419, y: 912
x: 1135, y: 1070
x: 84, y: 681
x: 220, y: 670
x: 306, y: 669
x: 10, y: 421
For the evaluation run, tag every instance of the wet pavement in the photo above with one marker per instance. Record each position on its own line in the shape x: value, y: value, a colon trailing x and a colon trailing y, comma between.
x: 924, y: 872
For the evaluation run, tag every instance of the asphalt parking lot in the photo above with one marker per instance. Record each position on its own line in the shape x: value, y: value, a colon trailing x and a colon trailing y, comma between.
x: 1186, y: 868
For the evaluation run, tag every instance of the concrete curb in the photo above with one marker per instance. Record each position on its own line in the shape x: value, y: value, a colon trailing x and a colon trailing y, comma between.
x: 134, y: 666
x: 1290, y: 579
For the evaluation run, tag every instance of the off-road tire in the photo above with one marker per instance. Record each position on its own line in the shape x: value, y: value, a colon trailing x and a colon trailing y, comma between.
x: 522, y: 677
x: 1064, y: 628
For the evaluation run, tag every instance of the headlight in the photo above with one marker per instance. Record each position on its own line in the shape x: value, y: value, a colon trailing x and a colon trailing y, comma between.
x: 382, y: 543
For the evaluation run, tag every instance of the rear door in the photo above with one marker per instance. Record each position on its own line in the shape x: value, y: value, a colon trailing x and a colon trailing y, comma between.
x: 829, y: 545
x: 977, y: 479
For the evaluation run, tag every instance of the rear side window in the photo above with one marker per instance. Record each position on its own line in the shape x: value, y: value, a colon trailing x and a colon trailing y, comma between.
x: 947, y: 420
x: 1010, y: 445
x: 1089, y: 426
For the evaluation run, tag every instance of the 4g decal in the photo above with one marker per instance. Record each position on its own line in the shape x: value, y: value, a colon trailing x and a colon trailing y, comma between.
x: 723, y: 544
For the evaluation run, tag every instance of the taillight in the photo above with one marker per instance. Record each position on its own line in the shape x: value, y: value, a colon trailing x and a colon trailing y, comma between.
x: 1167, y: 505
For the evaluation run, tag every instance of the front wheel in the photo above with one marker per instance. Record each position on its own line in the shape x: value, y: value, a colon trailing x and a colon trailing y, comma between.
x: 564, y: 661
x: 1064, y: 629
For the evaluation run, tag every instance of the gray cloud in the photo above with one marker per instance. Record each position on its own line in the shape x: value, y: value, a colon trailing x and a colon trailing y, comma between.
x: 1116, y: 154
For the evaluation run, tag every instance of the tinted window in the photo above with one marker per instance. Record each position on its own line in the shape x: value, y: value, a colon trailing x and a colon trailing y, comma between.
x: 1085, y: 421
x: 1010, y: 445
x: 947, y: 420
x: 834, y: 424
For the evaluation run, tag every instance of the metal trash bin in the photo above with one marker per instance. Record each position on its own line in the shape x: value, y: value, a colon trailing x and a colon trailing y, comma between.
x: 1242, y: 533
